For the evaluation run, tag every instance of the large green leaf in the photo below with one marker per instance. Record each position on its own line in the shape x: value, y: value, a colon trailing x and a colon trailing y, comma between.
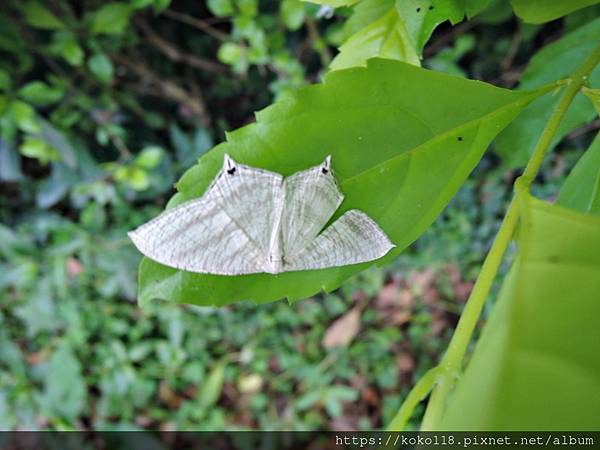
x: 403, y: 140
x: 555, y: 61
x: 540, y: 11
x: 536, y: 366
x: 581, y: 190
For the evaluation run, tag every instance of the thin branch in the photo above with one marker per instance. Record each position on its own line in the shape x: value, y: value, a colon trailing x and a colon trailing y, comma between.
x: 197, y: 23
x: 169, y: 88
x: 173, y: 53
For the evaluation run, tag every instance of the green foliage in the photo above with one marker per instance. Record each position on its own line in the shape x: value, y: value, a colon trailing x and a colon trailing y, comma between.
x: 104, y: 104
x: 581, y: 190
x: 457, y: 131
x: 532, y: 367
x: 38, y: 16
x: 553, y: 62
x: 111, y: 18
x: 539, y: 12
x: 386, y: 37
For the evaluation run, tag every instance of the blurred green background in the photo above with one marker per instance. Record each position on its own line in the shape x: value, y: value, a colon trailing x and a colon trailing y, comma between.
x: 103, y: 105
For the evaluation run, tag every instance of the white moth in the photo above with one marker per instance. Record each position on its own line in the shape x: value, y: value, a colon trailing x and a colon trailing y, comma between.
x: 251, y: 220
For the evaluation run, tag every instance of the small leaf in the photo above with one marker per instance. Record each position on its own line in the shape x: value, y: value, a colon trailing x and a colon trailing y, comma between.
x: 38, y: 16
x: 39, y: 93
x: 138, y: 178
x: 230, y: 53
x: 38, y: 149
x: 581, y: 189
x: 211, y: 388
x: 73, y: 53
x: 292, y: 13
x: 64, y: 387
x: 343, y: 330
x: 101, y: 66
x: 594, y: 96
x: 25, y: 117
x: 111, y: 18
x: 221, y: 8
x: 5, y: 80
x: 540, y: 12
x: 535, y: 366
x: 149, y: 157
x: 161, y: 5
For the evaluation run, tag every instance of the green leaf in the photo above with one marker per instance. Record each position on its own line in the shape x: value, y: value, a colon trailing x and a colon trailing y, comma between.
x: 403, y: 140
x: 393, y: 29
x: 73, y: 53
x: 555, y: 61
x: 387, y: 37
x: 423, y: 16
x: 594, y: 96
x: 111, y: 18
x: 230, y: 53
x: 102, y: 67
x: 149, y: 157
x: 39, y: 93
x: 64, y: 390
x: 333, y: 3
x: 25, y: 117
x: 161, y: 5
x: 535, y: 366
x: 547, y: 10
x: 38, y: 16
x: 38, y: 149
x: 139, y: 4
x: 138, y: 178
x: 5, y: 80
x: 221, y: 8
x: 292, y: 13
x: 581, y: 190
x: 209, y: 393
x: 365, y: 13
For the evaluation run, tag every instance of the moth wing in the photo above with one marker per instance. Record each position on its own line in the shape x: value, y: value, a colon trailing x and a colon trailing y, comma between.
x: 353, y: 238
x: 311, y: 198
x: 248, y: 196
x: 198, y: 236
x: 227, y: 231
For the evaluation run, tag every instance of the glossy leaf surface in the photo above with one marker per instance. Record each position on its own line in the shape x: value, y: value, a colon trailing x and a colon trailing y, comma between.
x: 536, y: 366
x: 402, y: 139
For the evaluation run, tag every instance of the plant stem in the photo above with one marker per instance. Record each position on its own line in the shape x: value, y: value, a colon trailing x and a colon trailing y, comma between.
x: 416, y: 394
x: 451, y: 364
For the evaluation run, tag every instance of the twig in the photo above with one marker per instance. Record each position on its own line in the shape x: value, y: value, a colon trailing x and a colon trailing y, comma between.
x: 585, y: 129
x: 173, y: 53
x: 169, y: 89
x: 197, y: 23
